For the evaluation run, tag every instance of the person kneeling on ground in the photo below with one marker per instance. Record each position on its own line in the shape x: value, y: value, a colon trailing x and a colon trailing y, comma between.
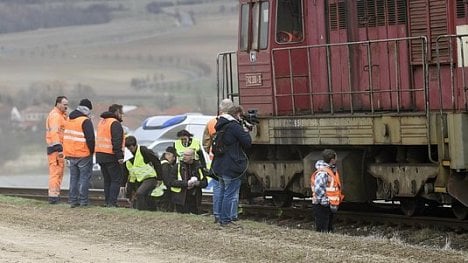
x: 161, y: 195
x: 142, y: 171
x: 187, y: 180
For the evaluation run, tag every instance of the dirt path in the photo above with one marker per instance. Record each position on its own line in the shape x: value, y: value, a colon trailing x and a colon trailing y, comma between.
x: 32, y: 231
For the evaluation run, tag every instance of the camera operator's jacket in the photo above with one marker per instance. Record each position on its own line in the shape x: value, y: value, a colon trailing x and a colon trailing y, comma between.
x: 233, y: 163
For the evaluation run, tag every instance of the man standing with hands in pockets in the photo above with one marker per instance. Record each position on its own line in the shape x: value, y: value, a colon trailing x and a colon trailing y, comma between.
x: 110, y: 152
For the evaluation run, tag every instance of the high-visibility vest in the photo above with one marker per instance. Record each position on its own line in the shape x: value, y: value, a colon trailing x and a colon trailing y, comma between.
x: 104, y: 136
x: 195, y: 145
x: 139, y: 170
x: 159, y: 190
x: 179, y: 177
x: 55, y: 125
x: 333, y: 188
x: 211, y: 132
x: 74, y: 141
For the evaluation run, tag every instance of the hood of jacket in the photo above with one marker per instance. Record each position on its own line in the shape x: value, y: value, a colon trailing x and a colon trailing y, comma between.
x: 79, y: 112
x: 223, y: 120
x: 108, y: 114
x: 320, y: 164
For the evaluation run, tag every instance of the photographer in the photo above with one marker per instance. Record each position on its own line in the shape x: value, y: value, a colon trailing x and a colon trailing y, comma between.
x: 249, y: 120
x: 231, y: 165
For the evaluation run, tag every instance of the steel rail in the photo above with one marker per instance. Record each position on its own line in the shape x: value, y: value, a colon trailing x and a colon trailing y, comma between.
x: 365, y: 215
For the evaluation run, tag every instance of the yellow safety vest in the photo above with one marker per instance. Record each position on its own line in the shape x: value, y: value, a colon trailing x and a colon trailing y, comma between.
x: 139, y: 170
x: 179, y: 177
x: 195, y: 145
x: 159, y: 190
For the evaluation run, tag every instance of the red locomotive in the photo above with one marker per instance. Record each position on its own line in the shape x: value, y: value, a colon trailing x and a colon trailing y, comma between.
x: 382, y: 82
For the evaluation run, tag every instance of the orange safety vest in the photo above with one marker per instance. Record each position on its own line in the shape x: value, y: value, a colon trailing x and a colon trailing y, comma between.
x: 333, y: 189
x: 104, y: 136
x: 211, y: 132
x: 55, y: 125
x: 74, y: 141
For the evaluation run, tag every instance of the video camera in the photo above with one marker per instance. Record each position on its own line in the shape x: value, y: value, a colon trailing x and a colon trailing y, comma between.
x: 250, y: 119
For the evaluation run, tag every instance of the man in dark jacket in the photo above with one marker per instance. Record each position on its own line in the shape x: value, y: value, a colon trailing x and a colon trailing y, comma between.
x: 78, y: 148
x: 110, y: 152
x: 142, y: 171
x: 231, y: 165
x: 188, y: 179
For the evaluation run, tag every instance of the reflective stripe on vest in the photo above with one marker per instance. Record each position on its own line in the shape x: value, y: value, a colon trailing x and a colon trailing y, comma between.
x: 333, y: 188
x: 179, y: 177
x: 195, y: 145
x: 139, y: 170
x: 74, y: 141
x: 104, y: 136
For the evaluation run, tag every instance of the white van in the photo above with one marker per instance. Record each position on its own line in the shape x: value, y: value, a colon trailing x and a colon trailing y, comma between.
x: 167, y: 132
x: 159, y: 132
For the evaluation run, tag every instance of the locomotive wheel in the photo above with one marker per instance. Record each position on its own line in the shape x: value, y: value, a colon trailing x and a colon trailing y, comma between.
x: 459, y: 210
x: 411, y: 206
x: 282, y: 200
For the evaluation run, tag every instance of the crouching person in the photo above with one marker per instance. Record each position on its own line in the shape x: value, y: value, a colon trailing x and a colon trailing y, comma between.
x: 187, y: 180
x: 142, y: 171
x: 161, y: 195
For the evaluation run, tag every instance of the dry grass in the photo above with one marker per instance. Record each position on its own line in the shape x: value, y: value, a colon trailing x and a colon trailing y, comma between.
x: 198, y: 236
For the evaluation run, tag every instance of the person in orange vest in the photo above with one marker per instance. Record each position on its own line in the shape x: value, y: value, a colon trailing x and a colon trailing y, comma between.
x: 55, y: 124
x: 208, y: 136
x: 326, y: 191
x: 110, y: 152
x: 78, y: 148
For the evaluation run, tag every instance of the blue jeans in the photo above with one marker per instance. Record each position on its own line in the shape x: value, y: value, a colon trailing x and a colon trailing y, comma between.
x: 216, y: 199
x: 80, y: 174
x: 230, y: 195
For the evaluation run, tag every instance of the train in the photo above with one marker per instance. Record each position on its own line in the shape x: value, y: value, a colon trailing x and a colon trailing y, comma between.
x: 382, y: 82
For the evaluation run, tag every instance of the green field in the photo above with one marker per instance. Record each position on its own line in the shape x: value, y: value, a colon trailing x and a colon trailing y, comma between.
x: 169, y: 58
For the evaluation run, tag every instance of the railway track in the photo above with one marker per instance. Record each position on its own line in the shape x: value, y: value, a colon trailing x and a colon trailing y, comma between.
x: 96, y: 196
x: 361, y: 217
x: 301, y: 213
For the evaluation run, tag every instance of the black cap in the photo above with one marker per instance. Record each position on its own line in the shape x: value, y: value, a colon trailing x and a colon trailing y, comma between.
x: 86, y: 103
x: 184, y: 133
x: 172, y: 150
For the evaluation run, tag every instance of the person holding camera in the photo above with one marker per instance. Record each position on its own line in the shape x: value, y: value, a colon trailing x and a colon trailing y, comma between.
x: 232, y: 164
x: 208, y: 136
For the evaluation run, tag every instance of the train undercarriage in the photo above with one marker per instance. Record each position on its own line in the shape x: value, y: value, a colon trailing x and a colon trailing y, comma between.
x: 380, y: 158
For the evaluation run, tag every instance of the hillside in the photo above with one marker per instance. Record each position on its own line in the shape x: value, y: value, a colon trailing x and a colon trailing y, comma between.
x: 137, y: 57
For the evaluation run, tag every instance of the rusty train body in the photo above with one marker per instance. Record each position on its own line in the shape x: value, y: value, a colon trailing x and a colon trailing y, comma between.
x: 382, y: 82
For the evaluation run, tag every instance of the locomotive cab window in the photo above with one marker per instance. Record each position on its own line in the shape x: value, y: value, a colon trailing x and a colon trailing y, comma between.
x: 289, y: 27
x: 254, y: 26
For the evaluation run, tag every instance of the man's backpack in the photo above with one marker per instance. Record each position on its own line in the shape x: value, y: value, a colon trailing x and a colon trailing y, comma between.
x: 218, y: 147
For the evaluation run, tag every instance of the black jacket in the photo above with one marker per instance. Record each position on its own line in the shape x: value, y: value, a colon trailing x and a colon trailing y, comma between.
x: 187, y: 171
x: 233, y: 163
x: 117, y: 141
x: 87, y: 127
